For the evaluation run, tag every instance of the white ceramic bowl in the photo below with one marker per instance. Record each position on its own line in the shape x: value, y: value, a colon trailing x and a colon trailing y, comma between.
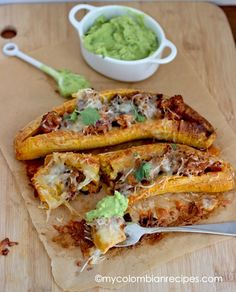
x: 128, y: 71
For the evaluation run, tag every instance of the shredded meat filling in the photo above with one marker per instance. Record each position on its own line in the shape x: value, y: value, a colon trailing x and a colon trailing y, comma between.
x: 173, y: 162
x: 32, y: 166
x: 73, y: 177
x: 176, y: 210
x: 172, y: 108
x: 123, y: 111
x: 148, y: 220
x: 124, y: 121
x: 73, y: 234
x: 100, y: 127
x: 72, y: 182
x: 50, y: 122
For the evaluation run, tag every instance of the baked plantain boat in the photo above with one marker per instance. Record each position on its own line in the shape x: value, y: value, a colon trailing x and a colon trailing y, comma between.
x: 145, y: 171
x: 170, y: 209
x: 162, y: 184
x: 175, y: 209
x: 137, y: 173
x: 98, y: 119
x: 97, y: 237
x: 65, y: 175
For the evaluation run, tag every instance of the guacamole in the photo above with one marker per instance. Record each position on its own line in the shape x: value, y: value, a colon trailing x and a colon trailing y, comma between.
x: 108, y: 207
x: 68, y: 82
x: 123, y: 37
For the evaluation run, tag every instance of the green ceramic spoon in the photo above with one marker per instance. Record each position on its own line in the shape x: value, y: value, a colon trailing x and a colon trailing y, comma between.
x: 67, y: 82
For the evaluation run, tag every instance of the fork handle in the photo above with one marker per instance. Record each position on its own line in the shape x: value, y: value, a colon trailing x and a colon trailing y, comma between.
x: 227, y: 228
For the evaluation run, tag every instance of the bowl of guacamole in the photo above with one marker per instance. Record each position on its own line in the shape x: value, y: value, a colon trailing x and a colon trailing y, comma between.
x: 120, y: 42
x: 123, y: 37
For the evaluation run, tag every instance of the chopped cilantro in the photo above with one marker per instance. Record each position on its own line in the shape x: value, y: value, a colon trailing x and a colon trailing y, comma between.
x: 138, y: 117
x: 89, y: 116
x: 143, y: 171
x: 174, y: 146
x: 73, y: 116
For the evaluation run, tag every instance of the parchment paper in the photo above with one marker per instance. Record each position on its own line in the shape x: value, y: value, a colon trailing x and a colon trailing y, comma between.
x: 26, y: 93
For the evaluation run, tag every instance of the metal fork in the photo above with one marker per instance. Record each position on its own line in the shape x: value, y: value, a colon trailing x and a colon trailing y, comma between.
x: 134, y: 231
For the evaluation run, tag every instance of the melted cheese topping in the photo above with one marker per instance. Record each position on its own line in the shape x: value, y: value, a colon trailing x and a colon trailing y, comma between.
x: 171, y: 163
x: 146, y: 105
x: 54, y: 181
x: 169, y: 208
x: 110, y: 110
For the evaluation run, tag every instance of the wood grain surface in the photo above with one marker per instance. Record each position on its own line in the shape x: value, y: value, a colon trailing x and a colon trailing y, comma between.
x: 202, y: 33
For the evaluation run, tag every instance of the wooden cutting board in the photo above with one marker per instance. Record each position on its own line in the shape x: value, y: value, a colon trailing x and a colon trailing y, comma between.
x: 202, y: 33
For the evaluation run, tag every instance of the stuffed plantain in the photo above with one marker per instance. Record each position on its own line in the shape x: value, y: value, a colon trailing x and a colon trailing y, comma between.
x: 105, y: 230
x: 106, y: 221
x: 190, y: 181
x: 149, y: 170
x: 174, y: 209
x: 137, y: 172
x: 94, y: 120
x: 64, y: 176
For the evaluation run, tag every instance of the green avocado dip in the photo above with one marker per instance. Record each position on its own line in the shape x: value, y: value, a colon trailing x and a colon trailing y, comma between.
x: 123, y: 37
x: 71, y: 83
x: 67, y: 81
x: 110, y: 206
